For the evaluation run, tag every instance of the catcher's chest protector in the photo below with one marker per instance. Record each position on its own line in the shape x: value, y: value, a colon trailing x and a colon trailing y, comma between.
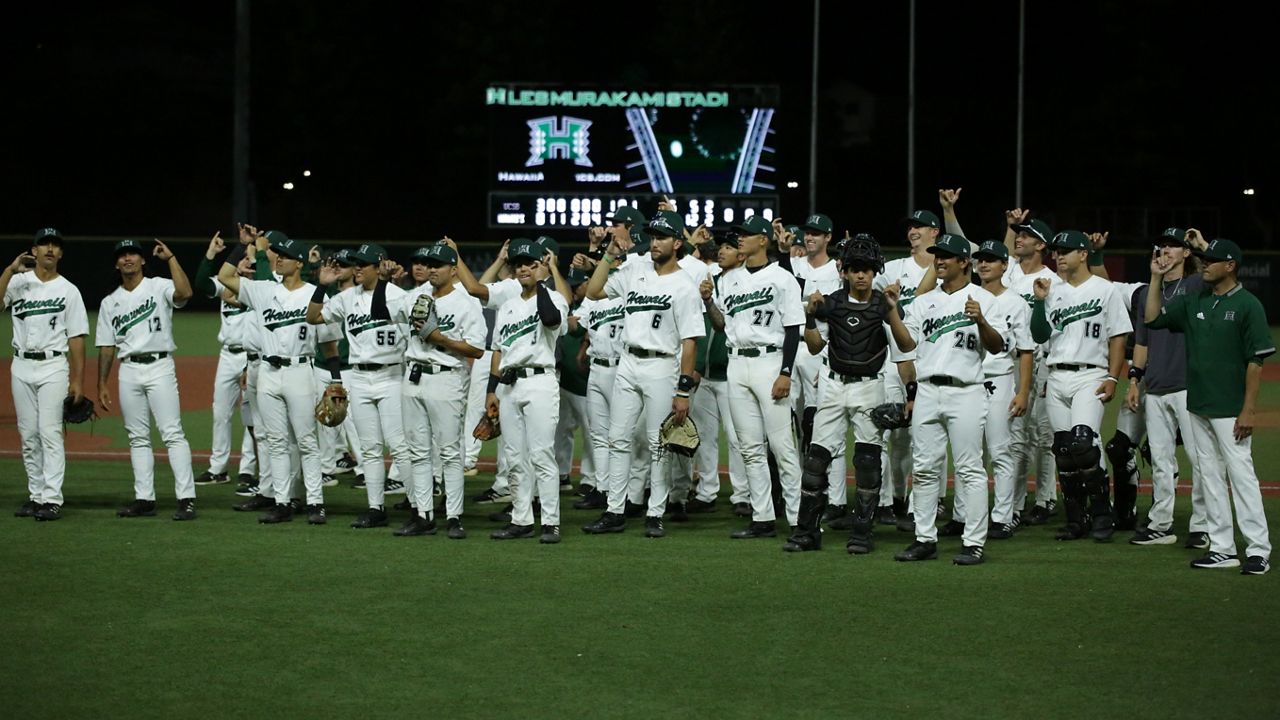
x: 856, y: 337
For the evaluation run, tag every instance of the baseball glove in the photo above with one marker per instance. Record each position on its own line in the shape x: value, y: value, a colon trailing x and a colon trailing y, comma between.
x: 681, y: 439
x: 488, y: 428
x: 423, y: 316
x: 890, y: 416
x: 78, y: 412
x: 332, y: 408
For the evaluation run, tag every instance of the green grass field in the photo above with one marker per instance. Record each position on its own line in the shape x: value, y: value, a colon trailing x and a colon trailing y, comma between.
x: 223, y: 617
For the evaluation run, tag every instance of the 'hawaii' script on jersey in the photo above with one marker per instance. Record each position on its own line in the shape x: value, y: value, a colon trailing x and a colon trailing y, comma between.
x: 934, y: 328
x: 122, y: 323
x: 273, y: 319
x: 737, y: 303
x: 1062, y: 317
x: 23, y: 308
x: 641, y: 303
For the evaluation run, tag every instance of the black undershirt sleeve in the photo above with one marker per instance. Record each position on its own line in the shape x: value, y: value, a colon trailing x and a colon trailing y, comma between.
x: 378, y: 307
x: 789, y: 346
x: 548, y: 313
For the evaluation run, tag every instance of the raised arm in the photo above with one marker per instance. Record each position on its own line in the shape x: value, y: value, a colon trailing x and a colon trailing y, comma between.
x: 473, y: 287
x: 901, y: 334
x: 1016, y: 216
x: 948, y: 199
x: 204, y: 272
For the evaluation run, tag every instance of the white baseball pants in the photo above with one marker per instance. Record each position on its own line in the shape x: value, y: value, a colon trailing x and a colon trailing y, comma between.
x: 529, y: 410
x: 945, y: 415
x: 763, y: 424
x: 374, y: 400
x: 709, y: 409
x: 1221, y: 460
x: 226, y: 398
x: 39, y: 389
x: 1165, y: 415
x: 287, y: 403
x: 147, y: 390
x: 642, y: 392
x: 433, y: 410
x: 573, y: 415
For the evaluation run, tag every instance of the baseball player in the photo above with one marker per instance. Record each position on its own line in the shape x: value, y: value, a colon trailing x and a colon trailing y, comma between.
x: 233, y: 361
x: 818, y: 274
x: 435, y: 385
x: 758, y: 306
x: 1027, y: 241
x: 49, y: 327
x: 135, y: 322
x: 522, y: 388
x: 855, y: 343
x: 922, y: 230
x: 951, y: 330
x: 377, y: 349
x: 1227, y: 339
x: 1158, y: 387
x: 286, y: 386
x: 658, y: 343
x: 1084, y: 318
x: 603, y: 321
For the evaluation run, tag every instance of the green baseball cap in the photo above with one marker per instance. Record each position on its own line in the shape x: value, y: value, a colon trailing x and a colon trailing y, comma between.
x: 951, y: 245
x: 819, y: 223
x: 798, y: 232
x: 524, y: 248
x: 47, y: 235
x: 368, y: 255
x: 275, y: 237
x: 343, y: 258
x: 626, y: 214
x: 1221, y: 249
x: 755, y: 225
x: 923, y: 218
x: 666, y: 224
x: 1036, y: 228
x: 993, y: 250
x: 125, y: 246
x: 548, y: 244
x: 290, y: 248
x: 576, y: 277
x: 727, y: 238
x: 1070, y: 240
x: 1173, y: 236
x: 439, y: 254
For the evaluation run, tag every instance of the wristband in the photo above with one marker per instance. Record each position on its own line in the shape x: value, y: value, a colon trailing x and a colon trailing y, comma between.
x: 684, y: 395
x: 685, y: 385
x: 493, y: 383
x: 1136, y: 373
x: 1112, y: 379
x: 318, y: 296
x: 911, y: 390
x: 1095, y: 258
x: 605, y: 256
x: 810, y: 322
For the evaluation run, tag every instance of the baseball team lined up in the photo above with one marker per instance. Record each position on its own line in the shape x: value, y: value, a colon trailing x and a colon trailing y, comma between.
x: 788, y: 338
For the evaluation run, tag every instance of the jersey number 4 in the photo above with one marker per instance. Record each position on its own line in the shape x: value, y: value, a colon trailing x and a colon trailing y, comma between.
x: 761, y: 317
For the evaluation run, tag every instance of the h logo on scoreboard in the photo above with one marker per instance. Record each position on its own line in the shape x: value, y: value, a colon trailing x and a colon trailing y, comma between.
x: 565, y: 138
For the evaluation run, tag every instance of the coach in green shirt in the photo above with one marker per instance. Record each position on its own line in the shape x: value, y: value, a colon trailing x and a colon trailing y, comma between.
x: 1227, y: 339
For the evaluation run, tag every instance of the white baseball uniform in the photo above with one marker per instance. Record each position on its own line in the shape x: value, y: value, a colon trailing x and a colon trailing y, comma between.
x: 436, y: 386
x: 139, y: 323
x: 232, y: 363
x: 376, y: 349
x: 758, y: 304
x: 1033, y: 437
x: 907, y: 273
x: 1002, y: 377
x: 1083, y: 319
x: 45, y: 315
x: 950, y: 406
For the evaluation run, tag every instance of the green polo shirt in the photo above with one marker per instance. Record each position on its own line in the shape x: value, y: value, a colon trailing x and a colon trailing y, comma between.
x: 1224, y: 334
x: 572, y: 378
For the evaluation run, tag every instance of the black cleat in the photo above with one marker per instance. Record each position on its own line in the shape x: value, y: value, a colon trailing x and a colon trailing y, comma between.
x: 346, y: 463
x: 512, y: 532
x: 886, y: 516
x: 918, y: 551
x: 492, y: 497
x: 405, y: 504
x: 742, y: 509
x: 257, y: 502
x: 1197, y: 541
x: 248, y: 489
x: 969, y: 555
x: 327, y: 480
x: 1000, y: 531
x: 584, y: 489
x: 208, y: 478
x: 803, y: 542
x: 653, y: 528
x: 416, y: 525
x: 297, y: 504
x: 186, y: 509
x: 375, y: 517
x: 1216, y: 560
x: 1039, y: 515
x: 393, y: 487
x: 697, y: 507
x: 503, y: 515
x: 606, y: 523
x: 907, y: 523
x: 315, y: 515
x: 358, y: 484
x: 1148, y: 536
x: 566, y: 485
x: 765, y: 529
x: 860, y: 544
x: 634, y: 510
x: 1103, y: 528
x: 456, y: 531
x: 28, y: 509
x: 1070, y: 531
x: 277, y: 514
x: 138, y: 508
x: 246, y: 479
x: 1255, y: 565
x: 550, y: 535
x: 678, y: 512
x: 48, y: 512
x: 592, y: 500
x: 834, y: 512
x: 953, y: 528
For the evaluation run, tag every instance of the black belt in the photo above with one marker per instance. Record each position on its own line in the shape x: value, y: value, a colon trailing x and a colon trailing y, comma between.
x: 604, y: 362
x: 754, y: 352
x: 234, y: 349
x: 42, y: 355
x: 641, y: 352
x: 374, y: 366
x: 511, y: 375
x: 1073, y: 368
x: 846, y: 379
x: 276, y: 361
x: 433, y: 368
x: 253, y: 356
x: 946, y: 381
x: 145, y: 358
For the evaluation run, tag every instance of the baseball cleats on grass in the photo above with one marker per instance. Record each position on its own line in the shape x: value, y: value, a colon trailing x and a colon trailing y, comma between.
x: 917, y: 551
x: 492, y: 497
x: 606, y: 523
x: 512, y: 532
x: 886, y: 516
x: 766, y: 529
x: 48, y: 512
x: 566, y: 485
x: 257, y: 502
x: 742, y: 509
x: 28, y: 509
x: 860, y: 544
x: 593, y: 500
x: 394, y: 487
x: 1197, y: 541
x: 678, y: 512
x: 1148, y: 536
x: 208, y: 478
x: 416, y: 525
x: 503, y: 515
x: 953, y: 528
x: 248, y: 490
x: 1000, y: 531
x: 653, y: 528
x: 1215, y: 560
x: 138, y: 508
x: 327, y: 480
x: 374, y: 518
x: 358, y: 484
x: 969, y: 555
x: 315, y: 515
x: 698, y: 507
x: 346, y: 463
x: 186, y: 509
x: 456, y: 531
x: 1255, y: 565
x: 550, y: 535
x: 279, y: 513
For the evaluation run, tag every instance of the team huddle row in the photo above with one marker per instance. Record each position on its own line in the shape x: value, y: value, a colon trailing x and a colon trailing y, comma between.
x: 785, y: 338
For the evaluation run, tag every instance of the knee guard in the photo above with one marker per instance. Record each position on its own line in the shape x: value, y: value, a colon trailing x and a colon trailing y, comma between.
x: 814, y: 477
x: 1076, y: 452
x: 1121, y: 452
x: 867, y: 467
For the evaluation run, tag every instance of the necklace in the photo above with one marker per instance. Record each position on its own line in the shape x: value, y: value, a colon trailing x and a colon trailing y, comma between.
x: 1174, y: 294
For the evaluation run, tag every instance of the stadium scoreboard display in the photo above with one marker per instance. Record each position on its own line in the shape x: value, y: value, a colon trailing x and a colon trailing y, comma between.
x: 568, y: 156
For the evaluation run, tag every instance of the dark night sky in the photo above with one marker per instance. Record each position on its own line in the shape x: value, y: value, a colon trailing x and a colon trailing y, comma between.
x: 118, y: 118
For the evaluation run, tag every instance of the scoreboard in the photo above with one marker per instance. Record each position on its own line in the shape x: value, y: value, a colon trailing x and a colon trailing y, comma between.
x: 568, y: 156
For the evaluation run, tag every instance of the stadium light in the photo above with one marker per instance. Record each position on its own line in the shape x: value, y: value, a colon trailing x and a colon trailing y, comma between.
x: 1248, y: 191
x: 793, y: 184
x: 288, y: 186
x: 306, y: 173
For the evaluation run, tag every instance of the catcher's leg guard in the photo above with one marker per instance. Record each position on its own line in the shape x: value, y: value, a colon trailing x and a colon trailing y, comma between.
x: 1123, y: 456
x: 867, y: 473
x: 1071, y: 461
x: 813, y: 498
